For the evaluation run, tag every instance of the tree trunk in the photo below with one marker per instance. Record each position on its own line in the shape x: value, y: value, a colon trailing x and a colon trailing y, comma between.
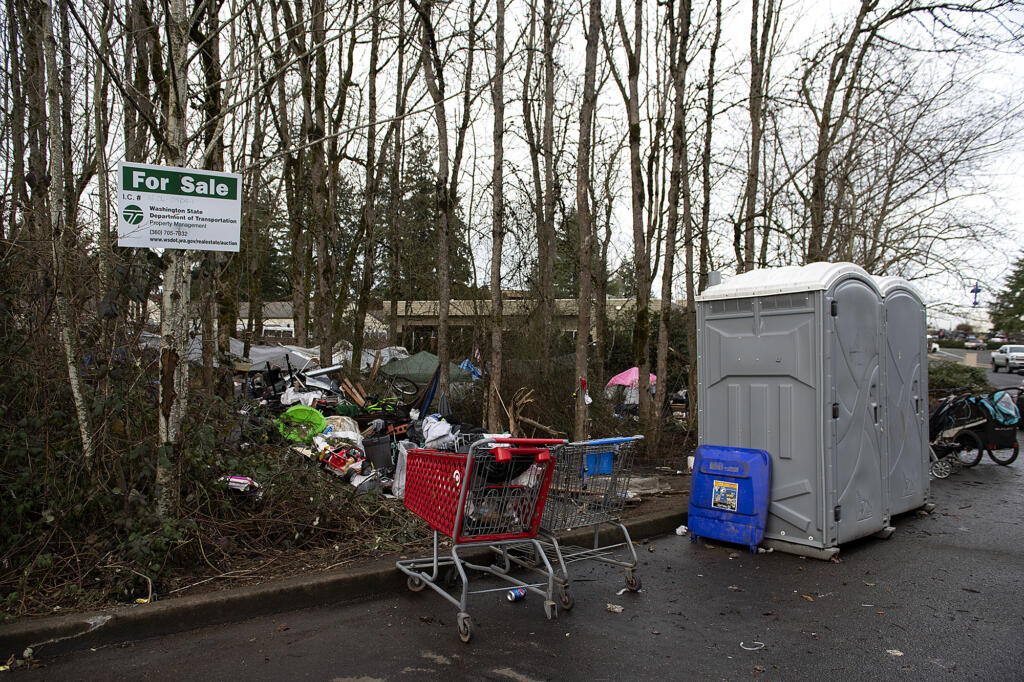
x: 758, y: 55
x: 641, y: 247
x: 494, y: 409
x: 585, y: 219
x: 826, y: 136
x: 323, y: 328
x: 679, y: 183
x: 445, y: 192
x: 694, y: 285
x: 101, y: 80
x: 431, y: 69
x: 174, y: 305
x: 396, y: 188
x: 59, y: 230
x: 546, y: 235
x: 19, y: 193
x: 370, y: 198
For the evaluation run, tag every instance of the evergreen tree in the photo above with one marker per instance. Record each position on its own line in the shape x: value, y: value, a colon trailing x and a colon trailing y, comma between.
x: 1007, y: 309
x: 418, y: 226
x: 567, y: 257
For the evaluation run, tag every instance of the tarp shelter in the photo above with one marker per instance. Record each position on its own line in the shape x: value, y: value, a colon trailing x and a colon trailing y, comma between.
x: 630, y: 383
x: 631, y: 377
x: 259, y: 356
x: 421, y: 367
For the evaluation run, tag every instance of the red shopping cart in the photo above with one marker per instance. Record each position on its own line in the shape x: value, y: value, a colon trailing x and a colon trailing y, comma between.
x: 491, y: 496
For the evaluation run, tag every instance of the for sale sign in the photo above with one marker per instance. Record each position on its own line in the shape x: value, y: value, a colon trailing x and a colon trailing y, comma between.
x: 162, y: 207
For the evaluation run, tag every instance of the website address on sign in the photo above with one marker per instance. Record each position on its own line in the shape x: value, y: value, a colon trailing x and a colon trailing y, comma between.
x: 205, y: 242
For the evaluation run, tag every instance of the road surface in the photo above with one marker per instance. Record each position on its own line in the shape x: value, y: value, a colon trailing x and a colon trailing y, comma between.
x: 941, y: 599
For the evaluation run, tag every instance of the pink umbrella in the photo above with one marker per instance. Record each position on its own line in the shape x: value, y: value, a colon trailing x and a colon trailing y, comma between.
x: 631, y: 377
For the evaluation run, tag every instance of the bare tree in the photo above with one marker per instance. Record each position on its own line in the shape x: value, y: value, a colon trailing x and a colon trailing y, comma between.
x: 641, y: 248
x: 58, y: 89
x: 206, y: 36
x: 395, y: 261
x: 448, y: 166
x: 540, y: 139
x: 679, y: 183
x: 697, y: 281
x: 497, y: 220
x: 174, y: 304
x: 370, y: 194
x: 585, y: 214
x: 761, y: 27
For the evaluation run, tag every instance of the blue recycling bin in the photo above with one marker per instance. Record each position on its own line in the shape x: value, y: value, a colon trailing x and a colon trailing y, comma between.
x: 729, y: 495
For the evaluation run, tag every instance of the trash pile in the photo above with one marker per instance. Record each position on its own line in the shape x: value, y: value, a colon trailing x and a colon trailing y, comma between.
x: 360, y: 436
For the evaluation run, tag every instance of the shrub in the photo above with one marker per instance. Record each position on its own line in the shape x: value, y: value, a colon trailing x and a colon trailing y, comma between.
x: 945, y: 376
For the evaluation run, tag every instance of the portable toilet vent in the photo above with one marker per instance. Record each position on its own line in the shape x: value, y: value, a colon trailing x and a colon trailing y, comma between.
x: 789, y: 360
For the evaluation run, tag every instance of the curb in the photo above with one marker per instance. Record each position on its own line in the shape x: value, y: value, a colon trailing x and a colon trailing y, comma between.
x: 74, y: 632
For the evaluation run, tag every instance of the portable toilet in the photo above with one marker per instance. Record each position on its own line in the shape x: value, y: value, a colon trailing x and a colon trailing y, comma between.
x: 905, y: 377
x: 789, y: 361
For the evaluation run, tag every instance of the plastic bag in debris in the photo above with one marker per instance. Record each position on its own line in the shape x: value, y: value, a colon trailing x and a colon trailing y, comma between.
x: 529, y: 478
x: 398, y: 485
x: 343, y: 428
x: 307, y: 398
x: 436, y: 432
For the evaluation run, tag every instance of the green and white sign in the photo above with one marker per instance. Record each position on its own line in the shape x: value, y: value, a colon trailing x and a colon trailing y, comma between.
x: 162, y: 207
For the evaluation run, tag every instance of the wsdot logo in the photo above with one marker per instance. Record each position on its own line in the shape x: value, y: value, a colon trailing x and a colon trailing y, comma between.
x: 133, y: 214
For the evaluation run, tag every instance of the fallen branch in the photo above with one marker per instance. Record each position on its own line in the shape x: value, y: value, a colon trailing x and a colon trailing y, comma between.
x: 538, y: 425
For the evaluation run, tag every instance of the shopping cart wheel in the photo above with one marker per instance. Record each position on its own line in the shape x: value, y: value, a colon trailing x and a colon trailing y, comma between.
x: 415, y: 584
x: 551, y: 610
x: 465, y: 627
x: 565, y: 598
x: 633, y: 582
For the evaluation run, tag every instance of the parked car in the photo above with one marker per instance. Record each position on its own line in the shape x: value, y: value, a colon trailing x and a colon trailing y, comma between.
x: 975, y: 344
x: 1010, y: 358
x: 998, y: 339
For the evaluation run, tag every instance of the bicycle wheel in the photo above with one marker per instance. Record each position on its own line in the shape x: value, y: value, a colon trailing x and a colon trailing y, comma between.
x: 1004, y: 456
x: 970, y: 449
x: 403, y: 386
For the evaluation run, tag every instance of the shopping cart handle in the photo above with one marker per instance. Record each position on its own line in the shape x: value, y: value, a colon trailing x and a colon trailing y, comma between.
x: 530, y: 441
x: 503, y: 455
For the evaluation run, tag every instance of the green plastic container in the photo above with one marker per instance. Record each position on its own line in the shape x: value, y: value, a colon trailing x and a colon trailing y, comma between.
x: 300, y: 423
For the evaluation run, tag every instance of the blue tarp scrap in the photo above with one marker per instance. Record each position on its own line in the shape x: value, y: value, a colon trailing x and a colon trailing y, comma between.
x: 468, y: 366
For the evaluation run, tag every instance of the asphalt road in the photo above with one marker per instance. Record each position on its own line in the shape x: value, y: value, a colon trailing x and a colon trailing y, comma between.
x: 941, y: 599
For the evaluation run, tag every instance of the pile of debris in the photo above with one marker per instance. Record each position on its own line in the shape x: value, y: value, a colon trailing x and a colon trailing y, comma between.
x: 359, y: 435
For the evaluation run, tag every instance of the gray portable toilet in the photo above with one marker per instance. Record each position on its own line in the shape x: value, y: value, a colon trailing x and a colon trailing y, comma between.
x: 789, y: 361
x: 905, y: 377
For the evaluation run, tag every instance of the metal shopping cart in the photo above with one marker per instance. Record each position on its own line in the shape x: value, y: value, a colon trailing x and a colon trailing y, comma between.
x: 491, y: 496
x: 588, y: 489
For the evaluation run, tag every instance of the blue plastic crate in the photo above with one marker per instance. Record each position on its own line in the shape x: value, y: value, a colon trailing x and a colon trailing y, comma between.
x: 729, y: 494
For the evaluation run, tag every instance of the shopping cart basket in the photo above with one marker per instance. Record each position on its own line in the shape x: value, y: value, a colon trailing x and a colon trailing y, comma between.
x: 588, y: 489
x: 488, y: 497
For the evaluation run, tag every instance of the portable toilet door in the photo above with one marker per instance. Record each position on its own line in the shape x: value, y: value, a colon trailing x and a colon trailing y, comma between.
x: 905, y: 373
x: 853, y: 368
